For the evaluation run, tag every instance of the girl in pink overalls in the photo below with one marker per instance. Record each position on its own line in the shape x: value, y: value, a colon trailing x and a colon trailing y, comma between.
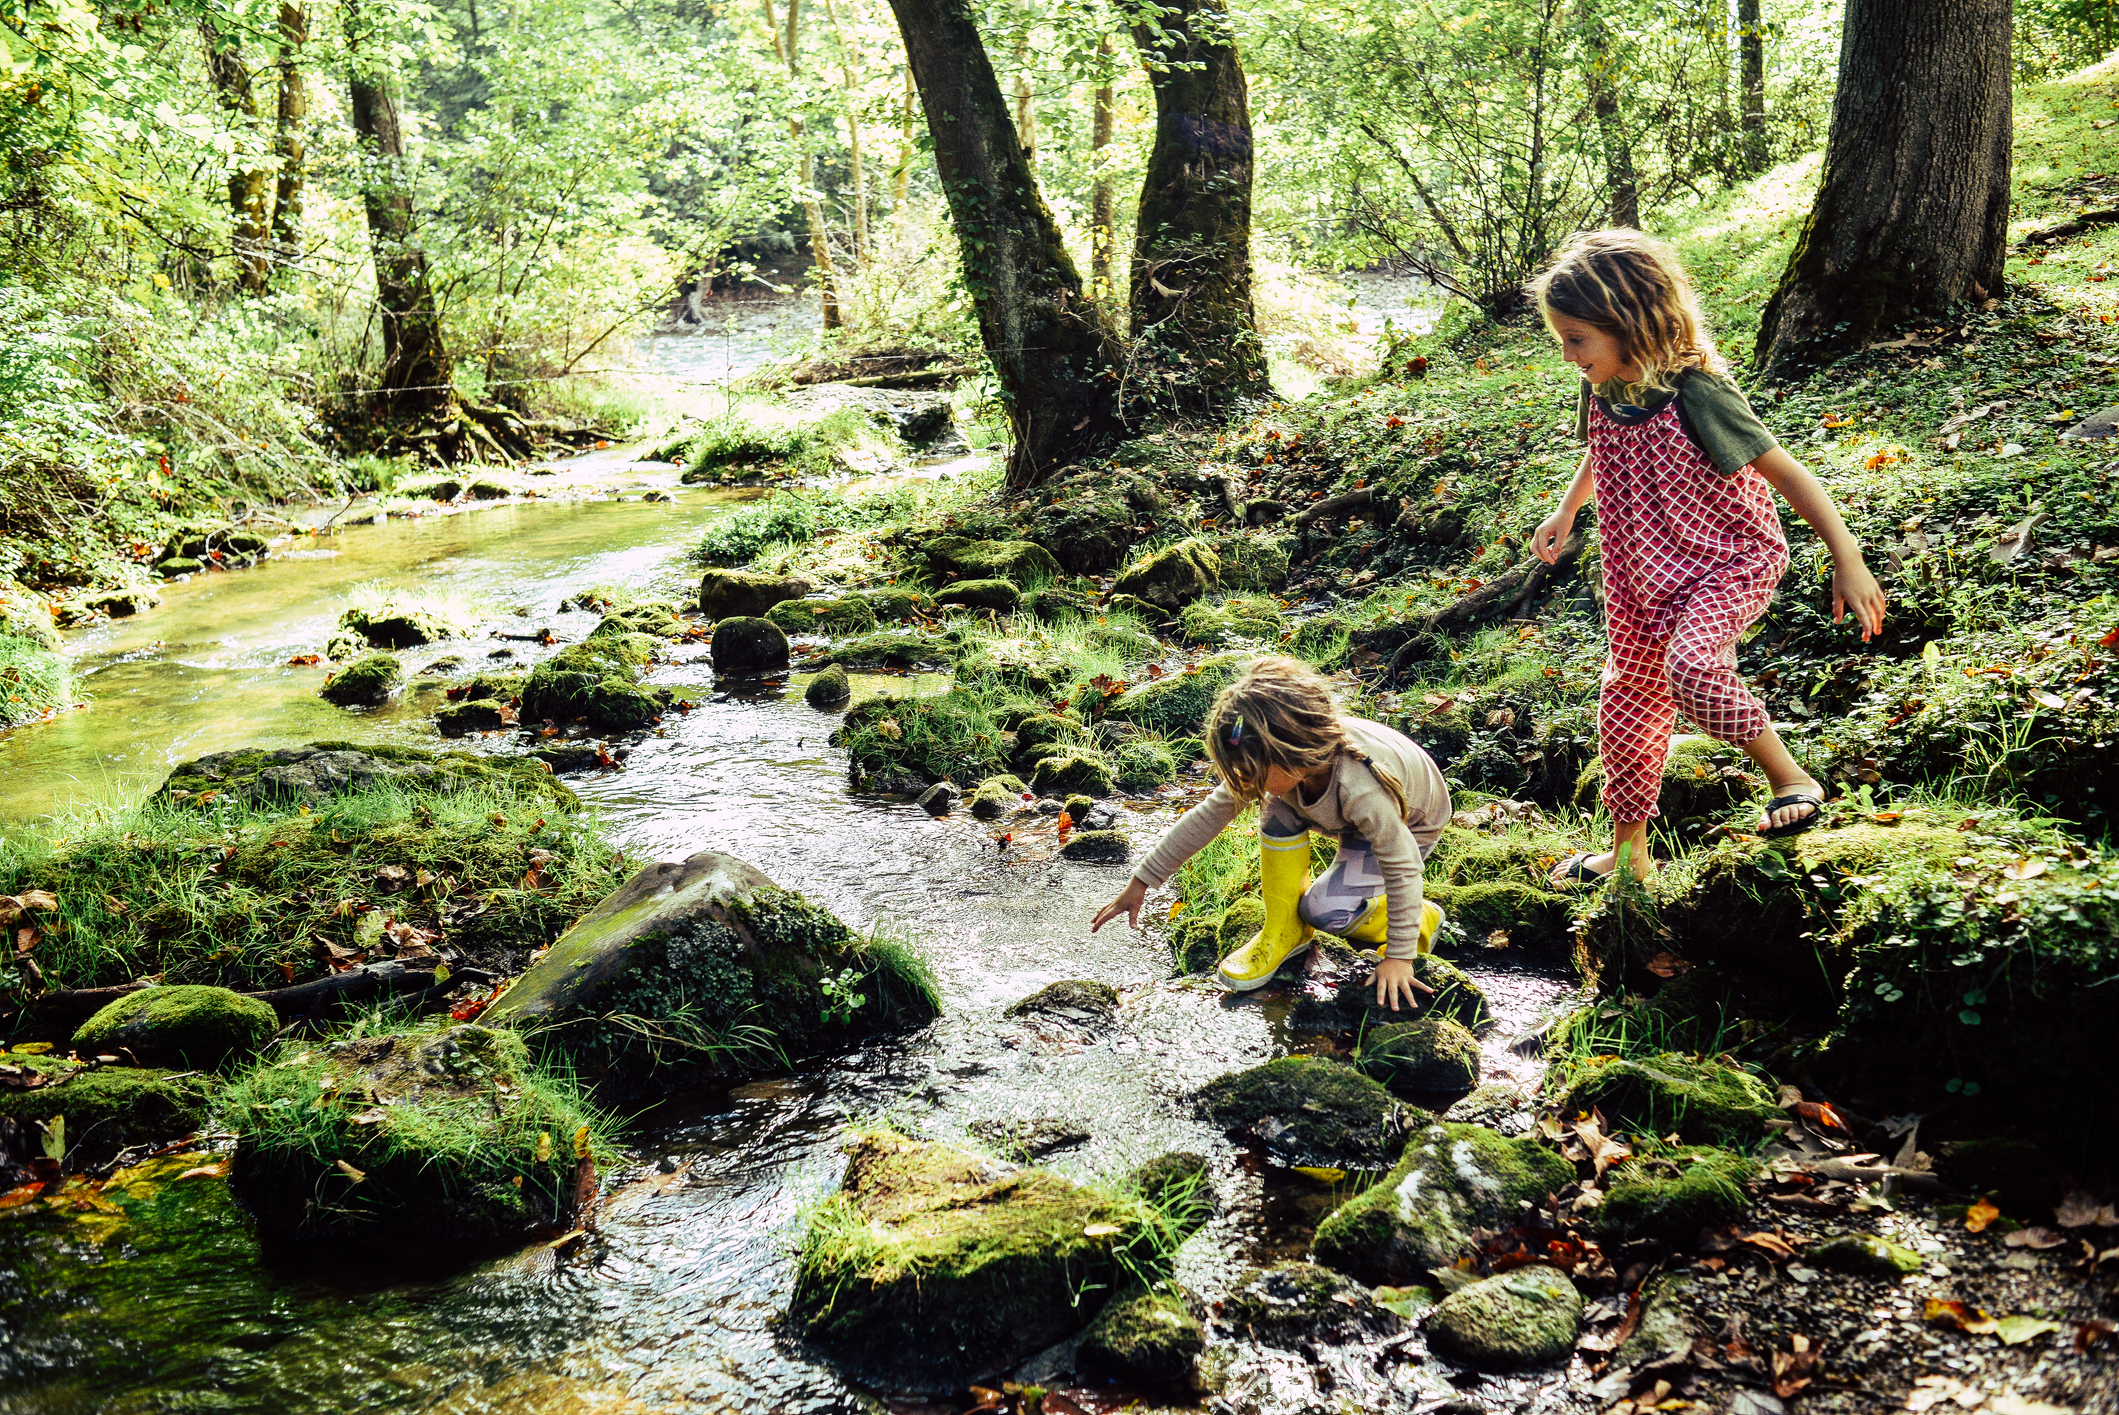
x: 1684, y: 474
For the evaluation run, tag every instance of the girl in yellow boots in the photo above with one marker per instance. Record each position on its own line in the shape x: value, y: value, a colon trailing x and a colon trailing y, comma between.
x: 1276, y: 739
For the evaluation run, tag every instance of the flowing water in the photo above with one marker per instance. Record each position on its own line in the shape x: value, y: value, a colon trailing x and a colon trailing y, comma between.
x: 672, y: 1305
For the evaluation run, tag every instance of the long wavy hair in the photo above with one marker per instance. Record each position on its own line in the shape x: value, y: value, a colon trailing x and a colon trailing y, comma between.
x: 1633, y: 287
x: 1279, y: 712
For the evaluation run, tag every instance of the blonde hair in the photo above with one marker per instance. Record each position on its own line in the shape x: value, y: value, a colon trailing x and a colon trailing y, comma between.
x: 1631, y: 286
x: 1279, y: 712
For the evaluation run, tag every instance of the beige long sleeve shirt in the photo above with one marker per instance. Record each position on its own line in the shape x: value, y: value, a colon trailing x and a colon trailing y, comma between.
x: 1353, y: 803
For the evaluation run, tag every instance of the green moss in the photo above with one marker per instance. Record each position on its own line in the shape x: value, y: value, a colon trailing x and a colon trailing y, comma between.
x: 829, y: 688
x: 742, y: 594
x: 1040, y: 731
x: 1252, y: 562
x: 1351, y: 1008
x: 1527, y: 1317
x: 1238, y: 618
x: 655, y: 617
x: 1430, y: 1054
x: 186, y: 1025
x: 1143, y: 1334
x: 1141, y: 766
x: 1705, y: 1102
x: 1176, y: 705
x: 366, y: 682
x: 1452, y: 1180
x: 897, y: 743
x: 111, y: 1108
x: 1864, y: 1255
x: 999, y: 595
x: 462, y: 719
x: 596, y: 682
x: 1309, y: 1111
x: 1021, y: 563
x: 1082, y: 769
x: 850, y: 614
x: 1530, y: 916
x: 1291, y: 1304
x: 1672, y: 1194
x: 996, y: 796
x: 395, y: 619
x: 1109, y: 846
x: 1703, y: 782
x: 1238, y: 925
x: 1172, y: 577
x: 284, y: 777
x: 1080, y: 999
x: 891, y: 650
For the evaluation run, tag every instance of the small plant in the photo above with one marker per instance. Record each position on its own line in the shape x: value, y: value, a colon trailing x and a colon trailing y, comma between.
x: 841, y: 996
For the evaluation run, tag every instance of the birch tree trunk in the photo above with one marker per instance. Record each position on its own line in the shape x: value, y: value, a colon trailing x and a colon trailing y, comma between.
x: 289, y: 145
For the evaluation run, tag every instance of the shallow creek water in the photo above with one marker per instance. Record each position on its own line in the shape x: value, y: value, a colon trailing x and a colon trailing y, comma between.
x: 672, y: 1304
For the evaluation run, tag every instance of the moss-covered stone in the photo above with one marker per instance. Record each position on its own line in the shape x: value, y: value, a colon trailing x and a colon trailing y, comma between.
x: 369, y: 681
x: 201, y: 1028
x: 890, y: 650
x: 1172, y: 577
x: 1081, y: 769
x: 1310, y: 1112
x: 1040, y: 733
x: 1143, y: 1334
x: 1105, y: 846
x: 703, y: 972
x: 1176, y: 705
x: 1238, y: 925
x: 1253, y: 562
x: 828, y: 689
x: 998, y: 595
x: 1351, y: 1007
x: 1666, y: 1329
x: 933, y: 1265
x: 1527, y: 1317
x: 462, y: 719
x: 1072, y: 999
x: 398, y: 624
x: 1020, y: 562
x: 1452, y: 1180
x: 1056, y: 606
x: 849, y: 614
x: 1143, y: 765
x: 27, y: 615
x: 1703, y: 1102
x: 747, y: 645
x: 1078, y: 806
x: 1530, y: 916
x: 1237, y: 619
x: 1863, y: 1255
x: 740, y: 594
x: 109, y: 1108
x: 596, y: 682
x: 441, y: 1139
x: 996, y: 796
x: 1293, y: 1304
x: 1430, y: 1054
x: 308, y: 776
x: 1672, y: 1194
x: 656, y: 617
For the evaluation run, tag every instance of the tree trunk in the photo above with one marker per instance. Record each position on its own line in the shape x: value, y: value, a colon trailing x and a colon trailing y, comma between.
x: 1103, y: 239
x: 1751, y: 50
x: 289, y: 146
x: 1912, y: 211
x: 1059, y: 370
x: 788, y: 46
x: 415, y: 376
x: 1191, y: 298
x: 852, y: 90
x: 247, y: 186
x: 1025, y: 100
x: 1619, y: 178
x: 903, y: 177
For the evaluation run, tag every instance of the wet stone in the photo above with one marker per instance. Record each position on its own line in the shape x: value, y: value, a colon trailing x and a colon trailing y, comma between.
x: 323, y: 770
x: 938, y: 799
x: 110, y: 1108
x: 1430, y: 1054
x: 1296, y: 1303
x: 1527, y: 1317
x: 1143, y: 1334
x: 1074, y: 999
x: 1309, y: 1111
x: 748, y: 645
x: 1348, y: 1008
x: 1498, y: 1105
x: 726, y: 594
x: 1863, y: 1255
x: 1108, y: 846
x: 829, y: 688
x: 1028, y: 1139
x: 368, y: 681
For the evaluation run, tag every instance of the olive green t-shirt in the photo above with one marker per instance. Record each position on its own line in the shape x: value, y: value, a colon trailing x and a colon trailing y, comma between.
x: 1714, y: 411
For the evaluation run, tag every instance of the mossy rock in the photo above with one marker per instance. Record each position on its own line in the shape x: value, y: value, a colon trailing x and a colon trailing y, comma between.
x: 655, y: 617
x: 1141, y: 766
x: 1078, y: 806
x: 849, y: 614
x: 1193, y: 946
x: 1071, y: 999
x: 1310, y: 1112
x: 397, y: 625
x: 1055, y: 606
x: 1703, y: 781
x: 1238, y: 925
x: 1176, y: 705
x: 1253, y: 562
x: 1143, y: 1334
x: 110, y: 1108
x: 1703, y: 1102
x: 1104, y: 846
x: 1451, y: 1181
x: 1430, y: 1054
x: 746, y: 645
x: 177, y: 565
x: 1237, y: 619
x: 1531, y: 917
x: 1672, y: 1194
x: 740, y: 594
x: 202, y: 1028
x: 1290, y: 1305
x: 890, y: 650
x: 439, y: 1139
x: 1526, y: 1317
x: 890, y: 604
x: 828, y: 689
x: 726, y: 971
x: 1666, y: 1330
x: 1351, y: 1008
x: 369, y: 681
x: 462, y: 719
x: 1020, y: 562
x: 996, y: 796
x: 998, y: 595
x: 1172, y: 577
x: 1042, y: 733
x: 596, y: 682
x: 308, y: 776
x: 1088, y: 529
x: 2021, y: 1177
x: 26, y: 615
x: 932, y: 1266
x: 1080, y: 769
x: 1864, y: 1255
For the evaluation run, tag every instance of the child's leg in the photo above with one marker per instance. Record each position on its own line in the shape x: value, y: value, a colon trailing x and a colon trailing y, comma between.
x: 1349, y: 901
x: 1707, y: 689
x: 1284, y: 871
x: 1634, y: 713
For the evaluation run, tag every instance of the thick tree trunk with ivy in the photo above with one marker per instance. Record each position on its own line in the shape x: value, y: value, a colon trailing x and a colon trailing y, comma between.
x: 1751, y: 72
x: 414, y: 381
x: 247, y: 185
x: 289, y: 145
x: 1912, y: 210
x: 1059, y: 369
x: 1191, y: 299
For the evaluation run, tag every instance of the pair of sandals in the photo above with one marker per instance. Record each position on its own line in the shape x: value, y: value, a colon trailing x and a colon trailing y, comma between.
x: 1575, y: 868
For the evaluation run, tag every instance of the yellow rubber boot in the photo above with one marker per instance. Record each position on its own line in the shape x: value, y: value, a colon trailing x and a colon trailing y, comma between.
x: 1284, y: 868
x: 1375, y: 926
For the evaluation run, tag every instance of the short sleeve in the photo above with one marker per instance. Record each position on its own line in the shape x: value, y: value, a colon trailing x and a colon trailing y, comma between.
x: 1582, y: 412
x: 1720, y: 418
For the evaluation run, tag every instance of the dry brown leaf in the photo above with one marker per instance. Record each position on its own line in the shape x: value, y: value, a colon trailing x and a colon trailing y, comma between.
x: 2034, y: 1238
x: 1939, y: 1312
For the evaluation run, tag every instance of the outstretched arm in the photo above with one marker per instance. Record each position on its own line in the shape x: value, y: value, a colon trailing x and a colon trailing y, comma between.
x: 1854, y: 590
x: 1545, y: 542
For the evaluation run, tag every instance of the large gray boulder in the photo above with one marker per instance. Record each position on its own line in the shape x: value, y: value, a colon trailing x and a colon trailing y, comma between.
x: 725, y: 594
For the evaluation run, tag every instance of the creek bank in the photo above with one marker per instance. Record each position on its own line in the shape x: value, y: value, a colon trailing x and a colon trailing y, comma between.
x: 100, y: 1110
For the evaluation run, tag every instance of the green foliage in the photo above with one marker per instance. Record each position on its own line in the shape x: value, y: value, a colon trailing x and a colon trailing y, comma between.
x: 34, y: 680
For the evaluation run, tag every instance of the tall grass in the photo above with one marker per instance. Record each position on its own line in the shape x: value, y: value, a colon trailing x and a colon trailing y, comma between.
x: 33, y: 680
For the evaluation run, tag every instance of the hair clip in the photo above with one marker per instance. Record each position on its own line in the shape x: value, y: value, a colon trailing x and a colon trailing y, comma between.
x: 1236, y: 732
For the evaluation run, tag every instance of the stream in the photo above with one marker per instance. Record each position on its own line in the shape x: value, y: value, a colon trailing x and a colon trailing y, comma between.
x: 673, y: 1303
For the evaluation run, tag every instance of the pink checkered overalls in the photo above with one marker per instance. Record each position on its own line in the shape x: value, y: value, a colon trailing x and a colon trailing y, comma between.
x: 1691, y: 557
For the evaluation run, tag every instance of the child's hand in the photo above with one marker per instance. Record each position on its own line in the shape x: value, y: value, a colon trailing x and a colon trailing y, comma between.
x: 1396, y: 979
x: 1855, y: 591
x: 1128, y: 903
x: 1551, y: 534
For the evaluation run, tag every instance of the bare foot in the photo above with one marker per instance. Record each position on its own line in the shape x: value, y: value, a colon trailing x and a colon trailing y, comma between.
x: 1789, y: 815
x: 1600, y: 865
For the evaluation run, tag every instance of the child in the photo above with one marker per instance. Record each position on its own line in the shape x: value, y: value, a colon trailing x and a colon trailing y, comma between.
x: 1684, y: 475
x: 1276, y: 738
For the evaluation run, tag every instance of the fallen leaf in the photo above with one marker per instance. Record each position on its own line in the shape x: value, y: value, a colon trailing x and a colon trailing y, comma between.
x: 2076, y: 1210
x: 581, y: 1143
x: 2024, y: 869
x: 1819, y: 1113
x: 1939, y: 1312
x: 1794, y: 1368
x: 1604, y: 1151
x: 351, y: 1173
x: 1977, y: 1217
x: 1100, y: 1230
x: 1497, y: 939
x: 2015, y: 1331
x: 207, y: 1171
x: 2034, y: 1238
x: 2095, y: 1332
x: 21, y: 1194
x: 1668, y: 965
